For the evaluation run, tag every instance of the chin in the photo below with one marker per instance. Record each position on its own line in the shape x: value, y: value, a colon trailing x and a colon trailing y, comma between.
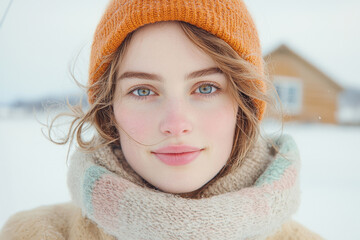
x: 180, y: 188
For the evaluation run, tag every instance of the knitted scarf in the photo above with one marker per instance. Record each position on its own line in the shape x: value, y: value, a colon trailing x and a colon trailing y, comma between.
x: 252, y: 202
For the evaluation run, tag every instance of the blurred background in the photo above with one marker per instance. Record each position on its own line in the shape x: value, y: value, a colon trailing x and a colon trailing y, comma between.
x: 312, y: 50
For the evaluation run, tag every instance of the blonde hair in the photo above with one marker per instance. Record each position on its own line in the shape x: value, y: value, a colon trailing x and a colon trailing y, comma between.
x: 240, y: 73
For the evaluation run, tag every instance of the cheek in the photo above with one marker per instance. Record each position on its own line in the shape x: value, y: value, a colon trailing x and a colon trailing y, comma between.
x: 137, y: 124
x: 219, y: 124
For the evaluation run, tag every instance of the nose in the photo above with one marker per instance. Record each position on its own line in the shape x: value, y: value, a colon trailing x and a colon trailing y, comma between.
x: 175, y: 121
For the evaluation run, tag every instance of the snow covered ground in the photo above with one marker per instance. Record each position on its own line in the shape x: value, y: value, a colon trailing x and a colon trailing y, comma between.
x: 34, y: 173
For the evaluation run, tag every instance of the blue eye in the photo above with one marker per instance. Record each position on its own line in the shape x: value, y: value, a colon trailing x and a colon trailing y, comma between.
x: 142, y: 92
x: 206, y: 89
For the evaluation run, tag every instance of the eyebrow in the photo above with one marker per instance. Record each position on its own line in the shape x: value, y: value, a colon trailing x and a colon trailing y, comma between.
x: 150, y: 76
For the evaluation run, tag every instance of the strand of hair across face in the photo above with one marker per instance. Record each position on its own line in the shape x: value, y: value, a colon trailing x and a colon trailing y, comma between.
x: 138, y: 142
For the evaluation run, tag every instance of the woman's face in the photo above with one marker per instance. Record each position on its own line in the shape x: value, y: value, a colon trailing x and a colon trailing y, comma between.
x: 171, y: 98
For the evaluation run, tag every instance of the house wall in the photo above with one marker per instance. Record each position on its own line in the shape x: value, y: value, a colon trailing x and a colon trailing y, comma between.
x: 320, y: 96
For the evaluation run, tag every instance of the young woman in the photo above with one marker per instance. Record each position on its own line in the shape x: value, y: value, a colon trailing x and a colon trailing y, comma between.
x: 177, y: 91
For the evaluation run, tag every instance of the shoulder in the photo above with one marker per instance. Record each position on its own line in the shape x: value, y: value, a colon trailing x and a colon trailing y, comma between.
x: 293, y: 230
x: 46, y: 222
x: 55, y: 222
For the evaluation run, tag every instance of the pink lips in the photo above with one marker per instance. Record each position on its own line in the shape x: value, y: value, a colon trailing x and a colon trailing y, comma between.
x: 177, y: 155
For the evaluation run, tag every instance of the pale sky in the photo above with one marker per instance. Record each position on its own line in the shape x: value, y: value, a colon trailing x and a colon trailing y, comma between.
x: 40, y: 39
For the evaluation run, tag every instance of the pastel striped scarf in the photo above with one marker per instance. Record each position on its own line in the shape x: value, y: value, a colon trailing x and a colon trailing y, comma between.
x: 124, y: 208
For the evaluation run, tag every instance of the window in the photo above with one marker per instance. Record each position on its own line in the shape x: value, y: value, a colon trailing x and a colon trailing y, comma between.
x: 289, y: 90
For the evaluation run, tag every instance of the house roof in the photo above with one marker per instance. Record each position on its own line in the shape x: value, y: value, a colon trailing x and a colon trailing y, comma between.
x: 283, y: 49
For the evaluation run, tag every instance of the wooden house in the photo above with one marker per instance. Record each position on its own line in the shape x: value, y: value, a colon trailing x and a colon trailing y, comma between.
x: 306, y: 93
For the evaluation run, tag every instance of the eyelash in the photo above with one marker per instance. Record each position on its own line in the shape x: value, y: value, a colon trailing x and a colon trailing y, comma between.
x: 218, y: 89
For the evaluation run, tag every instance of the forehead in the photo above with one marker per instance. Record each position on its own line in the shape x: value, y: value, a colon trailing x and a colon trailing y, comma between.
x: 163, y: 47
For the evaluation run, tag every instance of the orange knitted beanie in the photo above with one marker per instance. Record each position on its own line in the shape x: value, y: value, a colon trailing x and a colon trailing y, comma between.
x: 228, y: 20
